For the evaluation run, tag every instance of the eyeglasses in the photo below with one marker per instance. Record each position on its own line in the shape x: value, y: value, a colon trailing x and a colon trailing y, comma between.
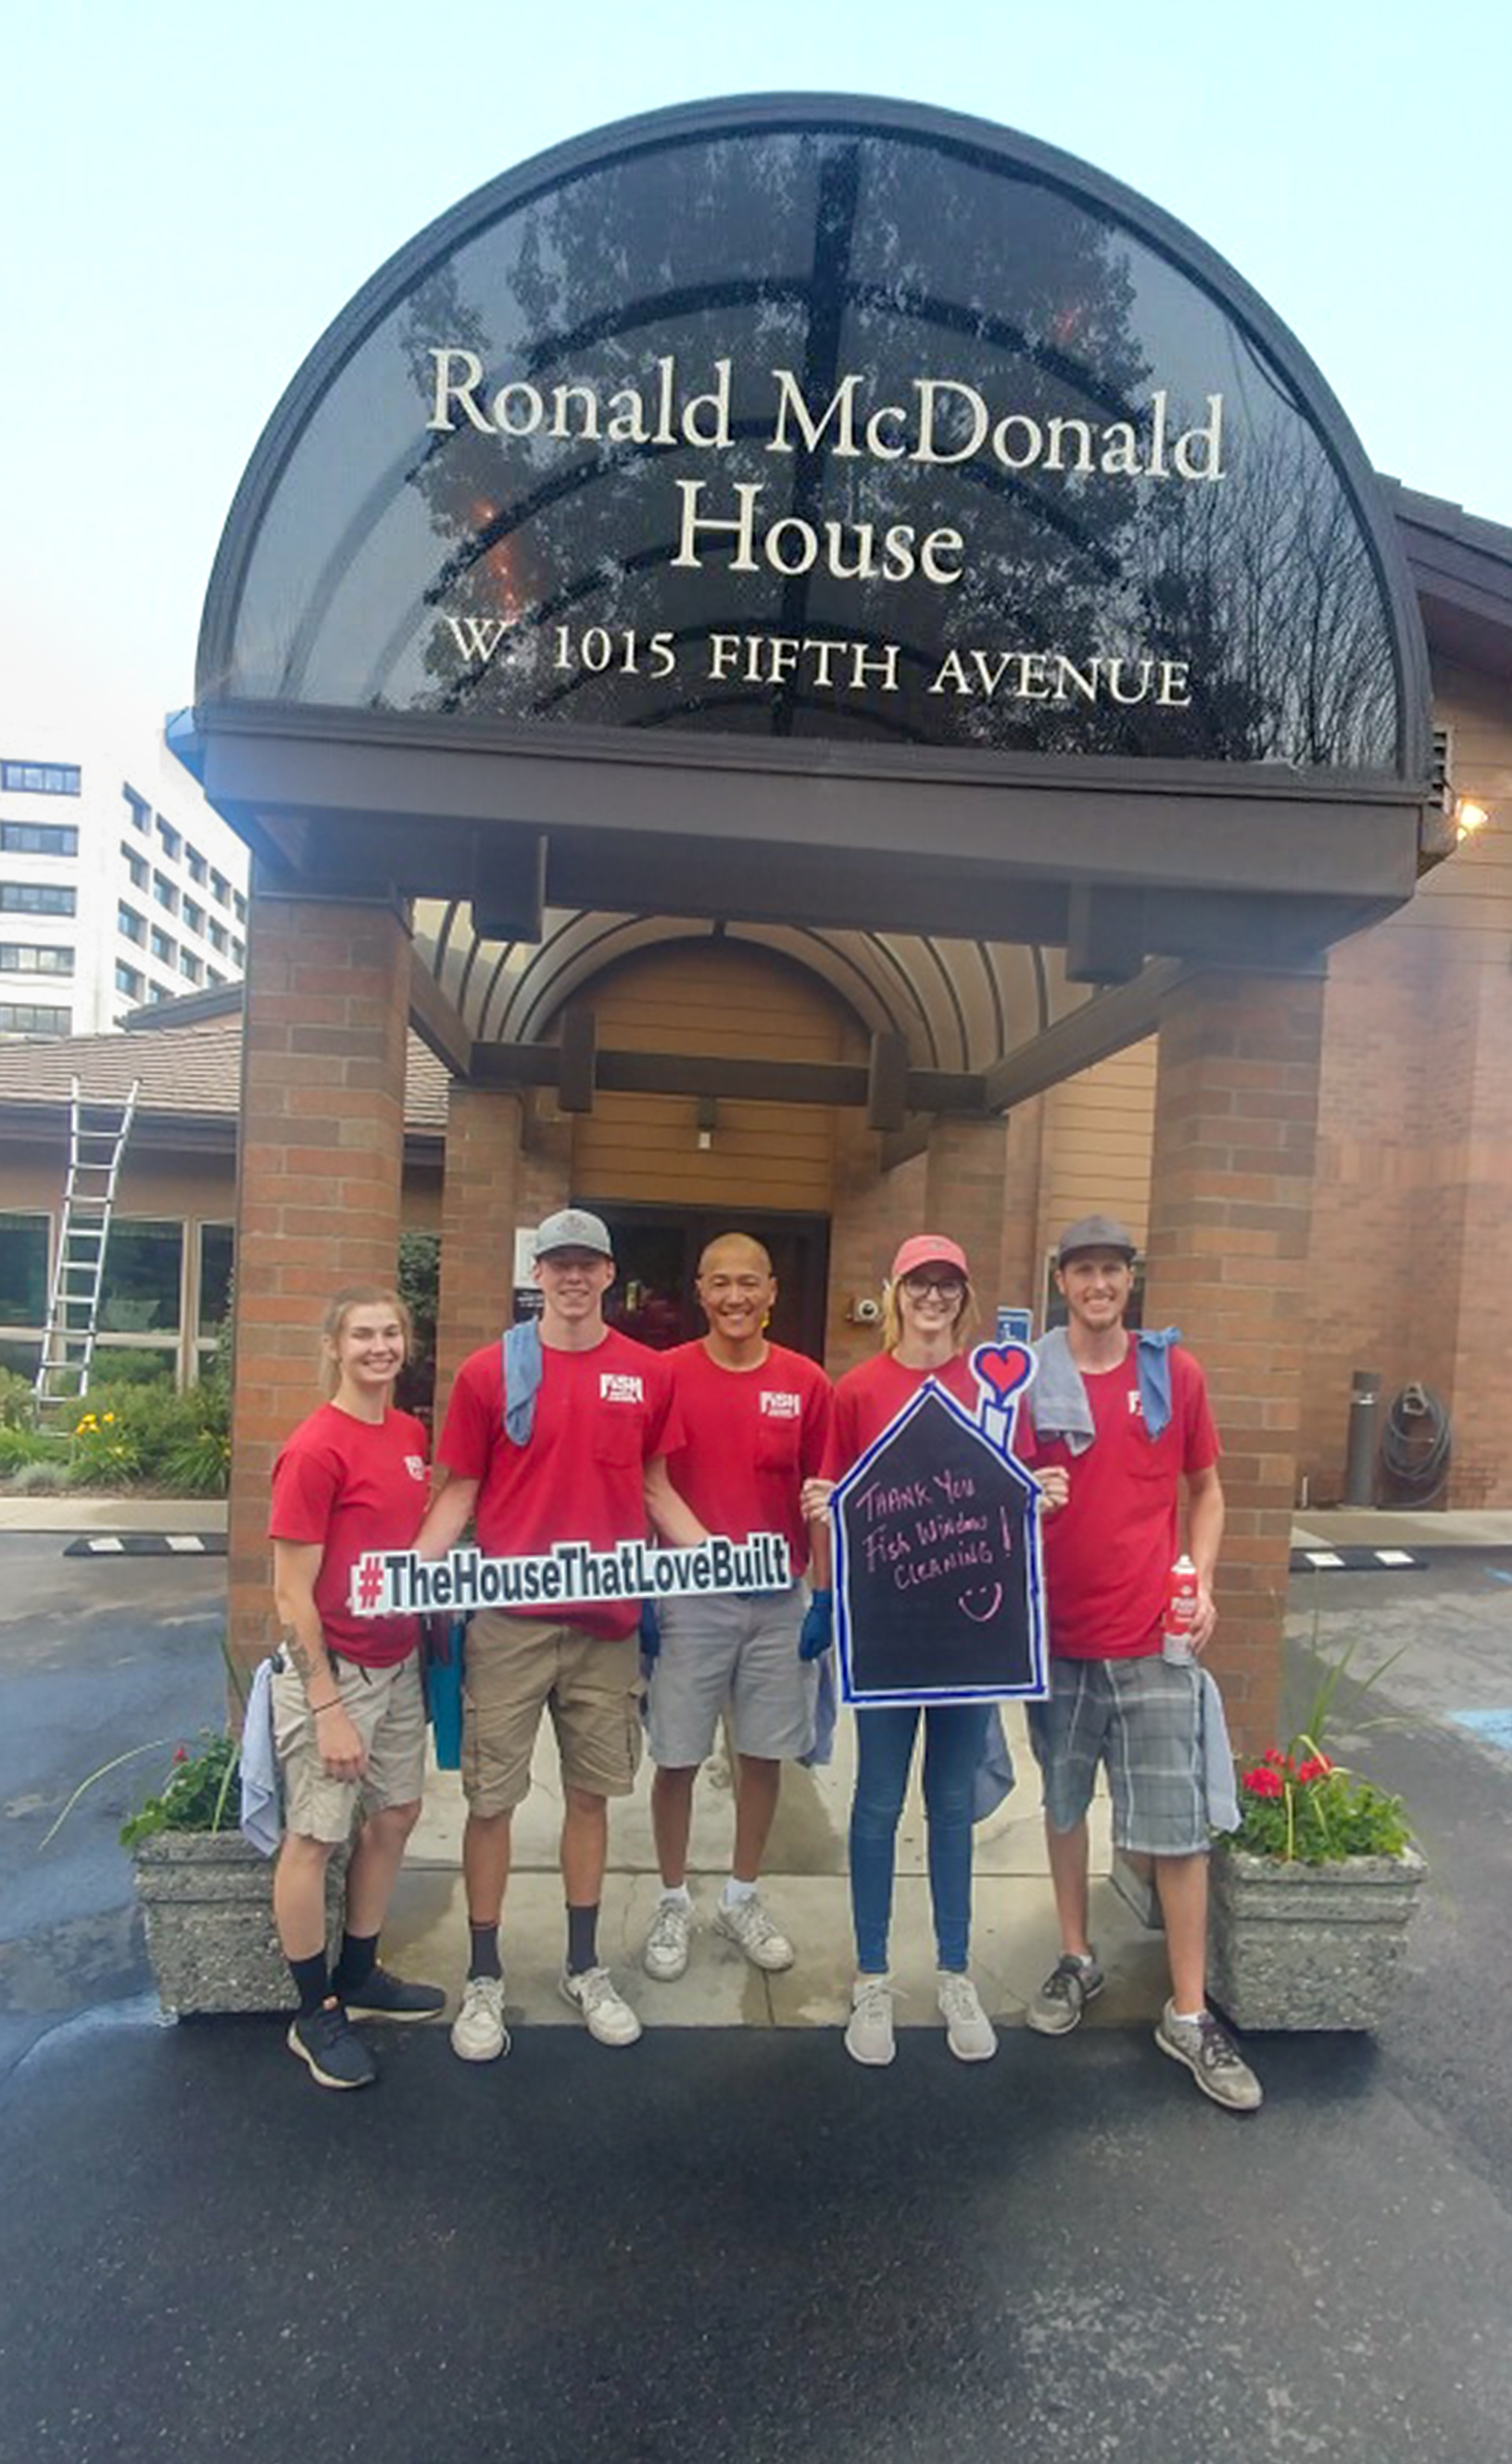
x: 949, y: 1288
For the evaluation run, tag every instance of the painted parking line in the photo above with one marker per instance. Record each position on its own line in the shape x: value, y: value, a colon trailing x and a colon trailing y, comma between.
x: 1357, y: 1561
x: 1492, y: 1727
x: 149, y: 1544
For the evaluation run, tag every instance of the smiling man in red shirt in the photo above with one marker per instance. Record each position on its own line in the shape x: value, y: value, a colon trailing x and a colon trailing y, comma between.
x: 1125, y: 1416
x: 589, y: 1466
x: 755, y: 1423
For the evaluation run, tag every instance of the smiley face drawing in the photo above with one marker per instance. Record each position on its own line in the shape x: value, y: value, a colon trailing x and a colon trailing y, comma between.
x: 982, y: 1604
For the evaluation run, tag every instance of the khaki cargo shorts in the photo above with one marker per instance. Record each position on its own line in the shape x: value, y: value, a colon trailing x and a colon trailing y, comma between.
x: 515, y: 1668
x: 386, y: 1708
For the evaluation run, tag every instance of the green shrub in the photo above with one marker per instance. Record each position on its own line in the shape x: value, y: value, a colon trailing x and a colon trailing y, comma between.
x: 198, y: 1466
x: 198, y: 1794
x: 20, y: 1446
x: 15, y: 1400
x: 39, y: 1480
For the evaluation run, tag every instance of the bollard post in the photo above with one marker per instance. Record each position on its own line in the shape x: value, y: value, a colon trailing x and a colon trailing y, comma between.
x: 1365, y: 1412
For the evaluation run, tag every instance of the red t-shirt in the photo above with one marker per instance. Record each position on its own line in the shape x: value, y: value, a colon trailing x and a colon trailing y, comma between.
x: 750, y: 1438
x: 350, y: 1485
x: 601, y: 1417
x: 868, y: 1397
x: 1109, y: 1551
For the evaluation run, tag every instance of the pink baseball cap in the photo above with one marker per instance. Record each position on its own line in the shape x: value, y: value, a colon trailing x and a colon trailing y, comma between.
x: 929, y: 1249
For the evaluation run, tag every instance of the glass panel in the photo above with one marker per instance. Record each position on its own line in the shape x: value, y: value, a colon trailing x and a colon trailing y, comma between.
x: 21, y: 1358
x: 23, y: 1269
x: 216, y: 1247
x: 849, y: 434
x: 135, y: 1364
x: 142, y: 1278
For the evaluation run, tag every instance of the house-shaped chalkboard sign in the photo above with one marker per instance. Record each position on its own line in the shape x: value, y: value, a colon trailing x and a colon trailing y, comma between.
x: 937, y: 1578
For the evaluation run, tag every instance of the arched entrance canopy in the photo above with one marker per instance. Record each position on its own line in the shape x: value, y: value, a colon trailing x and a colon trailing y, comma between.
x: 836, y: 517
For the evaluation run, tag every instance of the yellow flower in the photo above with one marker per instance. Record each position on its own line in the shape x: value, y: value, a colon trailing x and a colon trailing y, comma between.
x: 109, y: 1416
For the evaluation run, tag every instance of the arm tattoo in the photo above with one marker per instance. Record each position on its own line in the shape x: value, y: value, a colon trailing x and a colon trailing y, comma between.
x: 297, y: 1658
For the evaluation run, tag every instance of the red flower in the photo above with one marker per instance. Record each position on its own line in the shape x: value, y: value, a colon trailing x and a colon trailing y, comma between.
x: 181, y: 1754
x: 1273, y: 1754
x: 1316, y: 1766
x: 1264, y: 1782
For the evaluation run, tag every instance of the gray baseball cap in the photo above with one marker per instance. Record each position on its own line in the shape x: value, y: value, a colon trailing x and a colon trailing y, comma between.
x: 1094, y: 1232
x: 573, y: 1227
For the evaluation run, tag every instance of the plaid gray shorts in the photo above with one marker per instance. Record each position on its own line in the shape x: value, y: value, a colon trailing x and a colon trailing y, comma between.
x: 1139, y: 1718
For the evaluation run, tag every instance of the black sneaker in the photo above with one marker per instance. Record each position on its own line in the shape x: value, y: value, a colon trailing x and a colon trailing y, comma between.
x: 382, y: 1996
x: 1071, y: 1985
x: 332, y: 2054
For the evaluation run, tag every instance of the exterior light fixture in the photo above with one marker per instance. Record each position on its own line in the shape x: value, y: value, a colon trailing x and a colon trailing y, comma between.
x: 1469, y: 817
x: 707, y: 1116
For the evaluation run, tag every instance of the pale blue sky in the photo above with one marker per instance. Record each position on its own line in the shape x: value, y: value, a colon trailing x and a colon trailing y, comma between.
x: 188, y: 193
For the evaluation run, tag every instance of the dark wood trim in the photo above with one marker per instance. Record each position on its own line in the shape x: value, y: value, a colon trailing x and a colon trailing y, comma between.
x: 439, y: 1025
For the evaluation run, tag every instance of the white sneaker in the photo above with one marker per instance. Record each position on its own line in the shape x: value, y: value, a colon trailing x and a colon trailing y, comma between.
x: 666, y: 1952
x: 869, y: 2037
x: 479, y: 2034
x: 605, y: 2013
x: 745, y: 1922
x: 969, y: 2033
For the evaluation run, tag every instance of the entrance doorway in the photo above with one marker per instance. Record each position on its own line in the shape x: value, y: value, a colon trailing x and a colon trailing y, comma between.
x: 656, y: 1252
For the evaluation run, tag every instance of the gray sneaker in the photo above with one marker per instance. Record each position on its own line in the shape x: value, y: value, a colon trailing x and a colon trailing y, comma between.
x: 1214, y: 2062
x: 1071, y: 1985
x: 745, y: 1922
x: 666, y: 1953
x: 869, y: 2037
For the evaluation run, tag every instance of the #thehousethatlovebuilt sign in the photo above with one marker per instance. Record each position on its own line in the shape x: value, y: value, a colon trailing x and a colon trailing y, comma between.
x: 938, y: 1582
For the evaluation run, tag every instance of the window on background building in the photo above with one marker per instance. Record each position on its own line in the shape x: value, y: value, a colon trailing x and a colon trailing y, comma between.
x: 38, y: 838
x: 40, y: 778
x: 162, y: 946
x: 128, y: 980
x: 36, y: 959
x: 216, y: 1252
x: 138, y: 809
x: 130, y: 923
x: 136, y: 866
x: 191, y: 966
x: 158, y: 993
x: 33, y: 1018
x: 193, y: 916
x: 23, y: 1271
x: 240, y: 905
x: 38, y: 898
x: 237, y: 954
x: 217, y: 936
x: 142, y: 1289
x: 168, y: 838
x: 219, y: 886
x: 163, y: 892
x: 197, y: 867
x: 213, y: 977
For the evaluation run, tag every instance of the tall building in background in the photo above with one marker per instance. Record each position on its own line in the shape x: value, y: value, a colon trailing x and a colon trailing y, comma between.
x: 119, y: 888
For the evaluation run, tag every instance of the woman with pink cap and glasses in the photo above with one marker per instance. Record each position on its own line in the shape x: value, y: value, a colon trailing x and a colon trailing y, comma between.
x: 930, y: 1318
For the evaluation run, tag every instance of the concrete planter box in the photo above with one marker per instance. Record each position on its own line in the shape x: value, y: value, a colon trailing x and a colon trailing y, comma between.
x: 1308, y: 1946
x: 207, y: 1900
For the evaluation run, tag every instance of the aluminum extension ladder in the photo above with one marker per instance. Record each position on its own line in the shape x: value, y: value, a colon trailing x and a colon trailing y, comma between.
x: 97, y: 1139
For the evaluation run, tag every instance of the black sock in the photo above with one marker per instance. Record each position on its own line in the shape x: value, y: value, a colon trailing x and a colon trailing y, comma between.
x: 312, y: 1981
x: 484, y: 1961
x: 582, y: 1939
x: 356, y: 1963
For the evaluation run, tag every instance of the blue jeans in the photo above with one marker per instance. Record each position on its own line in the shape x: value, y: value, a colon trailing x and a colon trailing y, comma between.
x: 954, y: 1736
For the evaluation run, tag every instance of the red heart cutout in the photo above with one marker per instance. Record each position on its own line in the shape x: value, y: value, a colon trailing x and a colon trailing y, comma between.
x: 1003, y: 1367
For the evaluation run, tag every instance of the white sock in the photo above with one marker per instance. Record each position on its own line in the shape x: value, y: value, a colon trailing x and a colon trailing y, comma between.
x: 1187, y: 2019
x: 735, y: 1892
x: 679, y: 1893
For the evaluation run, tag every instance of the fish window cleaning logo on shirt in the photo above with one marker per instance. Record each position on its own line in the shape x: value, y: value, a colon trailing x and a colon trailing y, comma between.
x: 414, y: 1465
x: 782, y: 1407
x: 614, y: 1386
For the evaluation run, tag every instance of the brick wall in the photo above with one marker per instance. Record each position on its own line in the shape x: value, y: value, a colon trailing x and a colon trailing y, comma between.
x: 321, y: 1159
x: 480, y: 1202
x: 1231, y: 1190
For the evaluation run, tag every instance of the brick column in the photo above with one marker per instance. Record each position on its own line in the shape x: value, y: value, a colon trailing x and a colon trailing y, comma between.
x: 481, y: 1200
x: 964, y: 1178
x: 319, y: 1170
x: 1231, y: 1202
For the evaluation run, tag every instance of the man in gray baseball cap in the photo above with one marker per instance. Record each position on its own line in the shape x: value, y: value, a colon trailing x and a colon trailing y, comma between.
x: 1125, y: 1416
x: 564, y: 1438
